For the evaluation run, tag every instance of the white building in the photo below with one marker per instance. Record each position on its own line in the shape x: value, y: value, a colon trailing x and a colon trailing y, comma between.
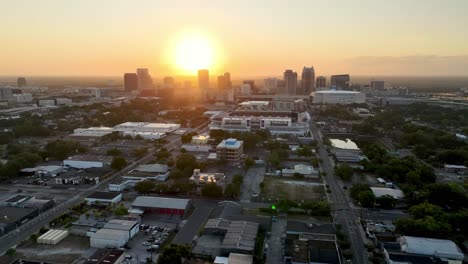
x: 87, y: 161
x: 104, y: 198
x: 109, y: 238
x: 63, y: 101
x: 23, y: 98
x: 338, y: 97
x: 381, y: 191
x: 132, y: 227
x: 92, y: 132
x: 46, y: 102
x: 305, y: 170
x: 146, y: 127
x: 203, y: 178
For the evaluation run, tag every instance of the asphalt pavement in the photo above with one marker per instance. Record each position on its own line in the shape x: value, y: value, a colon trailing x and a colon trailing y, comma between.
x: 193, y: 224
x: 343, y: 212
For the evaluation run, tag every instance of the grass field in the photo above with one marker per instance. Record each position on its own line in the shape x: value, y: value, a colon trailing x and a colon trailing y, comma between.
x: 291, y: 189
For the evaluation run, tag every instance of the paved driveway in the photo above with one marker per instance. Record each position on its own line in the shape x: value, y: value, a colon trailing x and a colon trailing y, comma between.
x: 194, y: 223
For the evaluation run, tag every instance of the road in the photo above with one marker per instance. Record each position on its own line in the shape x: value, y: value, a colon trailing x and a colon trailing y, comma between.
x: 343, y: 212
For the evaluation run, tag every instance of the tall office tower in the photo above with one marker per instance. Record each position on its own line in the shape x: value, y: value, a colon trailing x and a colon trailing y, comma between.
x: 290, y: 79
x: 21, y: 82
x: 168, y: 82
x: 145, y: 82
x: 340, y: 82
x: 227, y: 79
x: 6, y: 94
x: 203, y: 85
x: 221, y: 84
x: 130, y: 82
x: 321, y: 82
x: 378, y: 85
x: 308, y: 80
x: 270, y: 84
x: 253, y: 89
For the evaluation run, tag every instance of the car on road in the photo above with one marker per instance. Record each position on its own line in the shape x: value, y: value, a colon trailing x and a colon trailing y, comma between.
x: 146, y: 243
x: 274, y: 218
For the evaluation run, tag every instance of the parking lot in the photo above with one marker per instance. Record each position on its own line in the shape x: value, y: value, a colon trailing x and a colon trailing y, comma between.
x: 157, y: 231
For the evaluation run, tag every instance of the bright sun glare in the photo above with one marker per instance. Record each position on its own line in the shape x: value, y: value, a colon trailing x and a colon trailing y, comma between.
x: 194, y: 52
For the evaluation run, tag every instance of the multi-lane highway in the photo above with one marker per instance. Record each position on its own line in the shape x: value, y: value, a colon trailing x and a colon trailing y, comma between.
x: 343, y: 211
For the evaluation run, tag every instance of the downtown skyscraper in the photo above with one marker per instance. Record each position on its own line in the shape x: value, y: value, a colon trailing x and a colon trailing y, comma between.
x: 203, y: 85
x: 308, y: 80
x: 290, y: 79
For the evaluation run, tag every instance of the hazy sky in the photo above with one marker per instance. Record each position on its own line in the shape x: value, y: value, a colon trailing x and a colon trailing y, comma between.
x: 251, y: 38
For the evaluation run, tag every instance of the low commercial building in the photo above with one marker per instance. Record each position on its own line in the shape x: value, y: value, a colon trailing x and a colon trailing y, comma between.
x: 161, y: 205
x: 104, y: 198
x: 301, y: 169
x: 108, y: 238
x: 348, y: 156
x: 107, y: 256
x: 86, y: 176
x: 24, y: 201
x: 132, y: 227
x: 52, y: 237
x: 455, y: 168
x: 190, y: 147
x: 234, y: 258
x: 13, y: 217
x: 238, y: 236
x: 91, y: 133
x: 87, y: 161
x: 381, y: 191
x: 146, y: 127
x: 410, y: 249
x: 310, y: 243
x: 230, y: 149
x: 201, y: 179
x: 338, y: 97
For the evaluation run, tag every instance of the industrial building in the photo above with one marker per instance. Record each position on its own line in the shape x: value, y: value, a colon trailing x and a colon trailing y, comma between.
x: 146, y: 130
x: 199, y: 143
x: 234, y: 258
x: 26, y: 201
x: 87, y: 161
x: 104, y: 198
x: 381, y: 191
x: 301, y: 169
x: 338, y: 97
x: 114, y: 234
x: 422, y: 250
x: 161, y: 205
x: 52, y: 237
x: 238, y: 236
x: 13, y: 217
x: 154, y: 172
x: 230, y: 149
x: 107, y: 256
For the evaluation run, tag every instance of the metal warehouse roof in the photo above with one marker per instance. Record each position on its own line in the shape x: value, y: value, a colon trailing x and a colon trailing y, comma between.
x: 442, y: 248
x: 110, y: 234
x: 381, y: 191
x: 160, y: 202
x: 120, y: 224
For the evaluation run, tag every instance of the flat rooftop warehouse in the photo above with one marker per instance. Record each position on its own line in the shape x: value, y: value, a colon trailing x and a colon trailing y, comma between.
x: 381, y: 191
x: 160, y: 202
x: 104, y: 195
x: 441, y: 248
x: 146, y: 127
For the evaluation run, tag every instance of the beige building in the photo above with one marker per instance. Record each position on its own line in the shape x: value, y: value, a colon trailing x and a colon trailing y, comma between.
x: 230, y: 149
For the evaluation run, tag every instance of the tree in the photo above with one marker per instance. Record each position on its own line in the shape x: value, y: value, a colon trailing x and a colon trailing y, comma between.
x: 248, y: 162
x: 427, y: 220
x: 140, y: 152
x: 173, y: 254
x: 386, y: 201
x: 114, y: 152
x: 212, y: 190
x: 304, y: 151
x: 345, y: 172
x: 366, y: 198
x: 11, y: 252
x: 144, y: 186
x: 118, y: 163
x: 121, y: 210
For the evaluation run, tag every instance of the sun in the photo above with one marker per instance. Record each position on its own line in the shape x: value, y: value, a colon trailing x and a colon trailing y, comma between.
x: 194, y: 52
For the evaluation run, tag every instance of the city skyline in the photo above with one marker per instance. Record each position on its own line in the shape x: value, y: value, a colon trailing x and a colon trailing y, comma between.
x: 52, y: 38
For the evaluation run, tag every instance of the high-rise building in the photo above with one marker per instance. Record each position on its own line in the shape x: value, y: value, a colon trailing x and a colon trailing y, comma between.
x: 130, y: 81
x: 252, y: 85
x: 221, y: 84
x: 308, y: 80
x: 145, y: 82
x: 203, y: 84
x: 21, y: 82
x: 168, y: 82
x: 321, y: 82
x: 290, y: 79
x: 270, y: 84
x: 378, y: 85
x: 340, y: 82
x: 227, y: 79
x: 6, y: 94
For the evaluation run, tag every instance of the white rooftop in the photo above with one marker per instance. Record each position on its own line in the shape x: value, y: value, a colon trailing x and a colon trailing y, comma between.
x: 337, y: 92
x: 109, y: 234
x: 442, y: 248
x: 230, y: 143
x: 265, y: 103
x: 160, y: 168
x: 160, y: 202
x: 449, y: 166
x: 381, y: 191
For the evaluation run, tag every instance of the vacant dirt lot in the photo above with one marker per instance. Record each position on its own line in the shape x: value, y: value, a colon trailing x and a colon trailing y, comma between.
x: 292, y: 189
